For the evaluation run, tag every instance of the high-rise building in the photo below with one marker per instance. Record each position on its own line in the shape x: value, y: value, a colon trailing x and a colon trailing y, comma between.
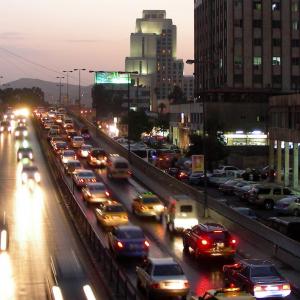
x: 153, y: 55
x: 251, y: 44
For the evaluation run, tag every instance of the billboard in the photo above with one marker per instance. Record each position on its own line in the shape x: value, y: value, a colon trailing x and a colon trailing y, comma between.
x: 197, y: 163
x: 112, y: 78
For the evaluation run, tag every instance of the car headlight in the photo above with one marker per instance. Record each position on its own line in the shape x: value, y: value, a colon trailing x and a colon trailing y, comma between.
x: 2, y: 128
x: 24, y: 177
x: 3, y: 240
x: 30, y: 155
x: 65, y: 160
x: 20, y: 155
x: 89, y: 292
x: 17, y: 133
x: 25, y: 132
x: 57, y: 293
x: 37, y: 177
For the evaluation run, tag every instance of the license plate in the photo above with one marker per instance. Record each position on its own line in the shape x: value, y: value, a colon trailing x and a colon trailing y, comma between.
x: 272, y: 288
x: 220, y: 245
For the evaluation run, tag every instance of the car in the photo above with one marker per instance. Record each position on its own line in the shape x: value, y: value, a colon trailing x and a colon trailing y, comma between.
x: 21, y: 132
x: 246, y: 211
x: 55, y: 127
x: 24, y: 152
x: 66, y: 279
x: 97, y: 157
x: 209, y: 240
x: 30, y: 172
x: 84, y: 132
x: 56, y: 138
x: 225, y: 169
x: 148, y: 204
x: 95, y: 192
x: 231, y: 293
x: 4, y: 234
x: 242, y: 192
x: 217, y: 179
x: 181, y: 213
x: 60, y: 146
x: 196, y: 178
x: 47, y: 124
x: 162, y: 277
x: 84, y: 151
x: 52, y: 133
x: 68, y: 155
x: 288, y: 206
x: 77, y: 141
x: 258, y: 277
x: 128, y: 241
x: 5, y: 126
x: 268, y: 195
x: 72, y: 166
x: 118, y: 167
x: 83, y: 176
x: 228, y: 187
x: 71, y: 133
x: 178, y: 173
x: 110, y: 214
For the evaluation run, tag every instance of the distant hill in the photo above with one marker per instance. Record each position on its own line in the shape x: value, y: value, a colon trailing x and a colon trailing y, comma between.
x: 51, y: 90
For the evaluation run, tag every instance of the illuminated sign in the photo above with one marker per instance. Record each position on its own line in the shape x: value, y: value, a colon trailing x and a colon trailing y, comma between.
x: 112, y: 78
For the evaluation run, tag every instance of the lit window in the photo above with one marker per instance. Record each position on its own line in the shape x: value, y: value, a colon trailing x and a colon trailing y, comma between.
x: 295, y: 7
x: 276, y: 61
x: 275, y: 6
x: 257, y: 60
x: 295, y: 25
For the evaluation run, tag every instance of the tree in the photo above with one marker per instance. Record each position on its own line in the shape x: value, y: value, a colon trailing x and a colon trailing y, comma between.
x: 177, y: 96
x: 138, y: 123
x: 162, y: 123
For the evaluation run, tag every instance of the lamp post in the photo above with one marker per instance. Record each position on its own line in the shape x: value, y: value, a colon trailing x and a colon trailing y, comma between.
x: 195, y: 62
x: 67, y: 72
x: 79, y: 87
x: 60, y: 85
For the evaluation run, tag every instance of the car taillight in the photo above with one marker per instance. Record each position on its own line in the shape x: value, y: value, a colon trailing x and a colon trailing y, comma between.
x: 143, y: 207
x: 125, y: 217
x: 257, y: 288
x: 146, y: 243
x: 233, y: 241
x: 93, y: 179
x: 81, y: 180
x: 204, y: 242
x: 155, y: 285
x: 120, y: 245
x: 107, y: 194
x: 129, y: 173
x: 218, y: 231
x: 286, y: 287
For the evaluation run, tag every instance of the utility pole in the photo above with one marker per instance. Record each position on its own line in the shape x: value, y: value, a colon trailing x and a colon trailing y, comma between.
x: 67, y: 72
x: 79, y: 85
x: 60, y: 85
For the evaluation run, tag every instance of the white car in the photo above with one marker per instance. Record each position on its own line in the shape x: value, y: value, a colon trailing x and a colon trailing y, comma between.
x: 225, y: 169
x: 83, y: 177
x: 68, y: 155
x: 30, y: 172
x: 77, y: 141
x: 95, y: 192
x: 162, y: 277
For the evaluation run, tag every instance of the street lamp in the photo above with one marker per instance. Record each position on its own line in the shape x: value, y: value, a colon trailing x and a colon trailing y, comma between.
x: 67, y: 72
x: 195, y: 62
x: 79, y: 87
x: 60, y: 85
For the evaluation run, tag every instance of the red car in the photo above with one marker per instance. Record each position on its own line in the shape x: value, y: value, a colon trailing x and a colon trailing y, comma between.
x: 209, y: 240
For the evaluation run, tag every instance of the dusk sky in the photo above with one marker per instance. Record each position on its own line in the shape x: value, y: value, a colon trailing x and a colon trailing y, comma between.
x: 67, y: 34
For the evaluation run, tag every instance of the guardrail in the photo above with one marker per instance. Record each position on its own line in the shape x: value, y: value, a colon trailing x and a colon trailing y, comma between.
x: 270, y: 241
x: 119, y: 285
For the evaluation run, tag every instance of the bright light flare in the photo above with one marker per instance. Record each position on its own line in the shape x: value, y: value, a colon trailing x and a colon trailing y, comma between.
x: 22, y: 112
x: 89, y: 292
x: 7, y: 288
x: 57, y: 293
x: 3, y: 240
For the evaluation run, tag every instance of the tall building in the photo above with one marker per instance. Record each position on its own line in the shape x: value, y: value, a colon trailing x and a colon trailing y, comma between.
x: 153, y: 55
x: 248, y: 44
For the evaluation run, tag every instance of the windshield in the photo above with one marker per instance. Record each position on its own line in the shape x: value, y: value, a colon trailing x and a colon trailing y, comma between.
x: 150, y: 200
x: 264, y: 271
x: 121, y: 165
x: 97, y: 188
x: 130, y: 234
x: 30, y: 169
x: 69, y: 153
x: 186, y: 208
x: 98, y: 153
x: 85, y: 174
x: 167, y: 270
x: 114, y: 208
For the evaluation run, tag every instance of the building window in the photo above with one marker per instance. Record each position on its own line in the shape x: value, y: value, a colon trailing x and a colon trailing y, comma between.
x: 295, y: 42
x: 257, y: 23
x: 257, y: 78
x: 275, y: 6
x: 276, y: 24
x: 238, y: 78
x: 295, y: 25
x: 296, y: 61
x: 295, y: 7
x: 276, y: 61
x: 257, y: 60
x: 257, y: 5
x: 257, y: 42
x: 276, y: 42
x: 238, y: 22
x: 238, y: 61
x: 277, y: 79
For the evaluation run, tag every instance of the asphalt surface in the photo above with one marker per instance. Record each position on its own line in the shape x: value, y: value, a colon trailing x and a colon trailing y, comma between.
x: 37, y: 224
x: 203, y: 275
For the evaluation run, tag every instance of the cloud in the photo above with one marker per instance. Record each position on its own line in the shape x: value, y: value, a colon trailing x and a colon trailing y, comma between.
x: 11, y: 35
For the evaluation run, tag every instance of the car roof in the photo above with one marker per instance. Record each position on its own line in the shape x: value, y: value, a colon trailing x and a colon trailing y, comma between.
x: 128, y: 228
x: 256, y: 262
x: 162, y: 261
x: 210, y: 227
x: 95, y: 184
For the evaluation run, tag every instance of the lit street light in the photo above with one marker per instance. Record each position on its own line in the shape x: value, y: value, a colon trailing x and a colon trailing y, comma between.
x: 195, y: 62
x: 79, y: 86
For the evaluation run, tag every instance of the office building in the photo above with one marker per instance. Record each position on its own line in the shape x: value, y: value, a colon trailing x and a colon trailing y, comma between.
x: 153, y: 55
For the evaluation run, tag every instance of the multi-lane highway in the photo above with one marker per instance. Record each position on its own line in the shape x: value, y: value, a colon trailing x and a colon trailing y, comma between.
x: 202, y: 276
x: 37, y: 224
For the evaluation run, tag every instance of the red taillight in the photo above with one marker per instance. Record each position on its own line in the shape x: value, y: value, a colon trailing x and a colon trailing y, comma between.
x: 147, y: 244
x: 233, y: 241
x: 93, y: 179
x: 129, y: 173
x: 120, y: 245
x: 143, y: 207
x: 107, y: 194
x: 218, y: 231
x: 258, y: 288
x: 81, y: 180
x: 155, y: 285
x: 204, y: 242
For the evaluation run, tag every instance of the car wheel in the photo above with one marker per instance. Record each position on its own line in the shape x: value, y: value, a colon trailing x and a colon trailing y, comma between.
x: 269, y: 204
x: 296, y: 212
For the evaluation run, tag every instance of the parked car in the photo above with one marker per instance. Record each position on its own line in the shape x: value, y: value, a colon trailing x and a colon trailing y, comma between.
x: 225, y: 169
x: 128, y: 241
x: 242, y: 192
x: 288, y: 206
x: 196, y: 178
x: 227, y: 188
x: 162, y: 277
x: 209, y: 240
x: 217, y: 179
x: 258, y: 277
x: 268, y: 195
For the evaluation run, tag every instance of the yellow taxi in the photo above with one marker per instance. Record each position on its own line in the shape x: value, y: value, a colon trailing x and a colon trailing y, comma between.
x: 148, y: 204
x: 111, y: 213
x: 232, y: 293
